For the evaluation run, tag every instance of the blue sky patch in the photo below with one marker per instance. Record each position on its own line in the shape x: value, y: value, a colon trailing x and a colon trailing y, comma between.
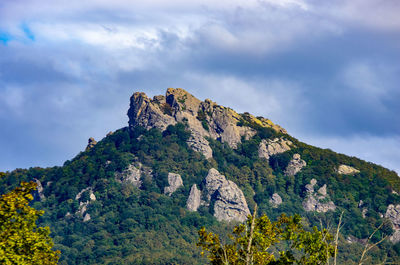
x: 5, y: 37
x: 28, y: 32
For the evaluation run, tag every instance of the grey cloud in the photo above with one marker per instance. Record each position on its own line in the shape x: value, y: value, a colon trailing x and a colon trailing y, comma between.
x: 302, y: 68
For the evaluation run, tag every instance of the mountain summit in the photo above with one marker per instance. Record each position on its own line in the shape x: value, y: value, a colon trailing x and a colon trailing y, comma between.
x: 203, y: 118
x: 140, y: 194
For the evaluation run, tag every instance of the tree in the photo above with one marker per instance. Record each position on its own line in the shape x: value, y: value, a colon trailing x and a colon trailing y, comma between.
x: 252, y: 243
x: 21, y: 241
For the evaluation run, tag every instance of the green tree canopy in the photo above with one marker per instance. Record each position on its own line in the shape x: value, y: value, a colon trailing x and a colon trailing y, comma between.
x: 21, y: 241
x: 252, y: 243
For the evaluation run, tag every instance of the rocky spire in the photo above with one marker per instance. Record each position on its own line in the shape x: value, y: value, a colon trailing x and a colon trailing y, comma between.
x: 203, y: 118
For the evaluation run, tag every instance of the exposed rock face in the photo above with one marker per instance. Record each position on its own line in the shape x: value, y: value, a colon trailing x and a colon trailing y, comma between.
x: 393, y: 214
x: 295, y: 165
x: 91, y: 143
x: 269, y: 147
x: 133, y: 173
x: 91, y: 194
x: 194, y: 200
x: 347, y: 170
x: 174, y: 181
x: 203, y: 118
x: 230, y: 203
x: 199, y: 144
x: 84, y: 204
x: 40, y: 190
x: 148, y: 113
x: 353, y: 239
x: 86, y: 217
x: 317, y: 201
x: 364, y: 212
x: 275, y: 200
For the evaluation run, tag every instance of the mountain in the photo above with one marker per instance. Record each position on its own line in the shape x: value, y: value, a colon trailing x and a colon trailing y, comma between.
x: 140, y: 194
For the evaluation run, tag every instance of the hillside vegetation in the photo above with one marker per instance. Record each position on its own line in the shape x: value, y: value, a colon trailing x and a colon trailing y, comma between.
x: 98, y: 218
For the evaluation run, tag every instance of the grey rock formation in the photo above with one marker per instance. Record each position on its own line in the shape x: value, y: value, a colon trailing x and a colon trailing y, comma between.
x: 194, y: 200
x: 393, y: 214
x: 174, y: 181
x: 86, y: 217
x: 84, y: 204
x: 295, y: 165
x: 91, y: 143
x: 199, y: 144
x: 352, y: 239
x: 230, y: 203
x: 275, y: 200
x: 269, y: 147
x: 91, y: 194
x: 40, y: 190
x: 149, y: 113
x: 364, y: 212
x: 310, y: 187
x: 317, y: 201
x: 203, y: 118
x: 322, y: 191
x: 347, y: 170
x: 133, y: 173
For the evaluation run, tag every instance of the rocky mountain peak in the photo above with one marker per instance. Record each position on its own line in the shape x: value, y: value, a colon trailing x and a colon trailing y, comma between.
x: 180, y: 100
x: 203, y: 118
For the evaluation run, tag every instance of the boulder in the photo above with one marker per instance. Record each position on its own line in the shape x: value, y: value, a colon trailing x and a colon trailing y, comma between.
x: 317, y: 201
x: 269, y: 147
x: 322, y: 191
x: 86, y: 217
x: 295, y: 165
x: 393, y: 214
x: 310, y: 187
x: 174, y: 181
x: 194, y: 200
x: 275, y: 200
x: 39, y: 190
x: 133, y: 173
x: 347, y: 170
x: 91, y: 143
x: 84, y: 204
x: 229, y: 201
x: 92, y: 197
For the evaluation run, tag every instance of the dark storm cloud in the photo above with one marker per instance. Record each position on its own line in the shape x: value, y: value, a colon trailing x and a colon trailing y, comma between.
x: 323, y: 71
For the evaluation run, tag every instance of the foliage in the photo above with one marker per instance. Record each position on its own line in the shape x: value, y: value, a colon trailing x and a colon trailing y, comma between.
x: 21, y: 241
x: 252, y: 243
x: 131, y: 225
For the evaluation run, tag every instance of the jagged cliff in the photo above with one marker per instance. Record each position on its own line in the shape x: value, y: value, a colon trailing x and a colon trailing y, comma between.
x: 204, y: 118
x: 139, y: 189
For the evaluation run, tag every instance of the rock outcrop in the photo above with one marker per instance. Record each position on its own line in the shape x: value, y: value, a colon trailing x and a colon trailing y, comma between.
x: 91, y: 143
x: 269, y: 147
x: 295, y: 165
x: 229, y: 201
x: 317, y: 201
x: 275, y: 200
x: 133, y: 173
x: 39, y: 190
x: 84, y: 204
x: 203, y: 118
x: 174, y: 181
x: 194, y: 200
x: 347, y: 170
x: 393, y: 214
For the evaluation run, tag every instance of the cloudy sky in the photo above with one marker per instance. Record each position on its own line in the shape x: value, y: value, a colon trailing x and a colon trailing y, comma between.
x: 327, y: 71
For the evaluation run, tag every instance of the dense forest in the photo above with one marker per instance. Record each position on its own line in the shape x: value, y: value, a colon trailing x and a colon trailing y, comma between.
x: 130, y: 225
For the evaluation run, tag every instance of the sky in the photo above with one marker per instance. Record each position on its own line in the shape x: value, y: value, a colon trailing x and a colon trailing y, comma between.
x: 327, y: 71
